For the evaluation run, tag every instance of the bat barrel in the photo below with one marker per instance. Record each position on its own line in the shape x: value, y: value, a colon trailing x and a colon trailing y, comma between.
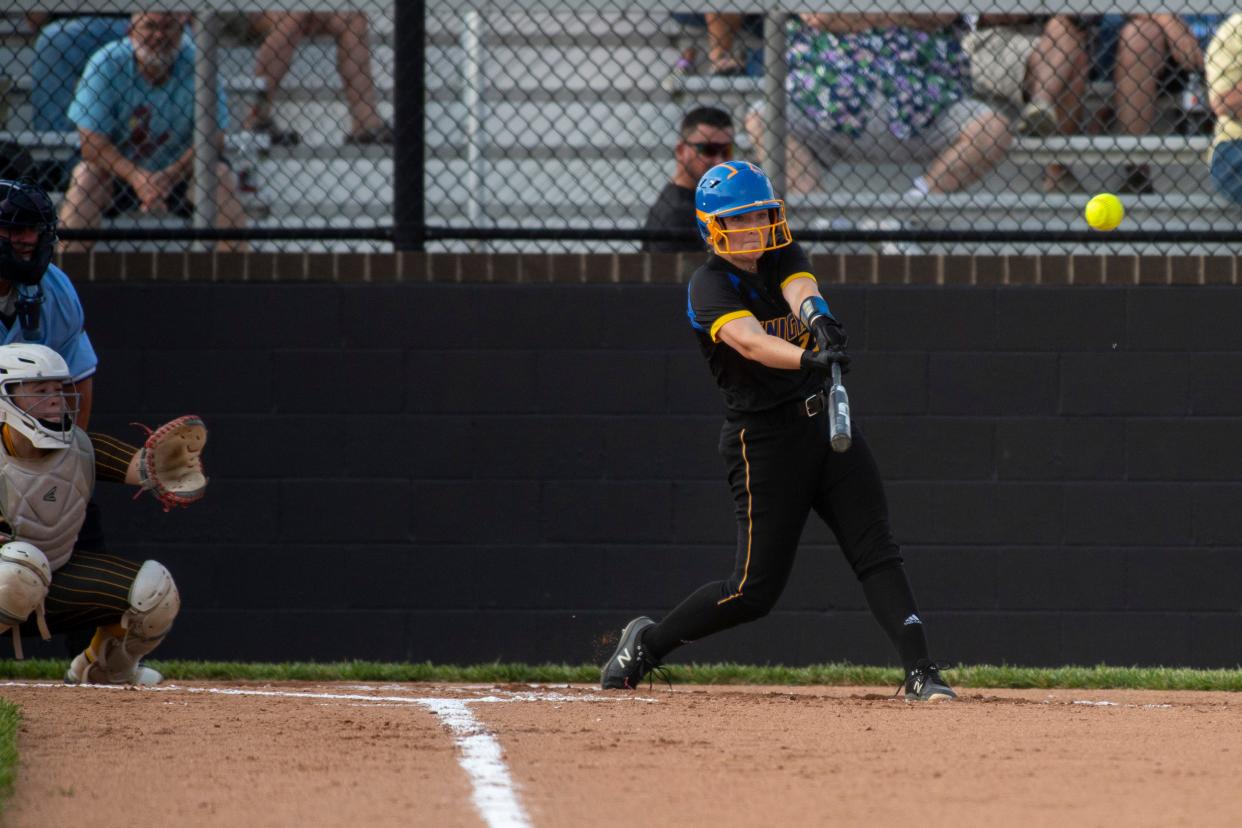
x: 839, y: 413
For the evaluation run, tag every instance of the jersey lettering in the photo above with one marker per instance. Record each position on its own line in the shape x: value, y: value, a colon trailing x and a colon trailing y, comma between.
x: 788, y: 328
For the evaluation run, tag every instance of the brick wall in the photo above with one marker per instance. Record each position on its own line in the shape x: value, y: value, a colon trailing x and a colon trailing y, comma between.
x: 627, y: 268
x: 464, y: 472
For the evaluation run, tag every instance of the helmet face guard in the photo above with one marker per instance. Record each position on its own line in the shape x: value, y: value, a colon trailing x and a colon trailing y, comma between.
x: 24, y: 206
x: 772, y: 236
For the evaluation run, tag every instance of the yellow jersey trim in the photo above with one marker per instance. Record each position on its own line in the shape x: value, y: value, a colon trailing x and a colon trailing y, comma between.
x: 802, y: 275
x: 726, y: 319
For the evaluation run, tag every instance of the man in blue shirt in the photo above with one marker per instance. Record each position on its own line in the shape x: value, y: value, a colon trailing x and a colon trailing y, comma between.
x: 134, y: 110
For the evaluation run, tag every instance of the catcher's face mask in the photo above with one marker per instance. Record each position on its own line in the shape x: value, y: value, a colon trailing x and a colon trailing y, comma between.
x: 42, y: 410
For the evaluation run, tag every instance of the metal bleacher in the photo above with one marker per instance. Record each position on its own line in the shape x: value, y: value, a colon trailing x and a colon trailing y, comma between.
x: 578, y: 118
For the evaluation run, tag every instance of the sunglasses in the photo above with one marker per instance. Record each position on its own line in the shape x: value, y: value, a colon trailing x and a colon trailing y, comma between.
x: 708, y: 149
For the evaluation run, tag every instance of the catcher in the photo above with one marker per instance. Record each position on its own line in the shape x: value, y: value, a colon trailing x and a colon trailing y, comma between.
x: 48, y: 468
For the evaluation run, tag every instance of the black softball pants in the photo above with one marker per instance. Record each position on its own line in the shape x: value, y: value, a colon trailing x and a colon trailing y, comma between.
x: 781, y: 468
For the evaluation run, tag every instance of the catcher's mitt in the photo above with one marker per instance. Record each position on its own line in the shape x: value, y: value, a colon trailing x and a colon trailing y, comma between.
x: 170, y: 463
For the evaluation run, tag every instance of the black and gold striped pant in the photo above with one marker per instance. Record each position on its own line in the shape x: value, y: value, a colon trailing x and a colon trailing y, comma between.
x: 92, y: 590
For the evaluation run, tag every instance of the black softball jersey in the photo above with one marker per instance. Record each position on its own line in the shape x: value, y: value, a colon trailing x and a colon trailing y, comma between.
x: 719, y: 292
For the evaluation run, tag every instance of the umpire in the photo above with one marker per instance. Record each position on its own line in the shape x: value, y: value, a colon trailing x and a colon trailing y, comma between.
x: 771, y: 363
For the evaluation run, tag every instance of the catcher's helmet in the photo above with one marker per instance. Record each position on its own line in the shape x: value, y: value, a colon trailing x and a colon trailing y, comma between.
x: 24, y: 206
x: 26, y: 362
x: 734, y: 188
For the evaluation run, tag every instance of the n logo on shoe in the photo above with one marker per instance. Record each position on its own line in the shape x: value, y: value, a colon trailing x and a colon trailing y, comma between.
x: 50, y: 497
x: 624, y: 658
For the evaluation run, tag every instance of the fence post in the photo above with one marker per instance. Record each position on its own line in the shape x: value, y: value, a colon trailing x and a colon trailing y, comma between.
x: 774, y: 71
x: 206, y: 126
x: 409, y: 115
x: 472, y: 98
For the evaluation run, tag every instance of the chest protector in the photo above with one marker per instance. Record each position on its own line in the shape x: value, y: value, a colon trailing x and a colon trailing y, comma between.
x: 44, y: 500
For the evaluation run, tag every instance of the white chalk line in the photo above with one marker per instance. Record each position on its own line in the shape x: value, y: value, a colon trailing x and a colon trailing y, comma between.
x: 492, y: 789
x: 493, y: 792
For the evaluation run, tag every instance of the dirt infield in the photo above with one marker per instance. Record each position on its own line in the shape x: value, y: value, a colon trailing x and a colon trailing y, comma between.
x: 195, y: 754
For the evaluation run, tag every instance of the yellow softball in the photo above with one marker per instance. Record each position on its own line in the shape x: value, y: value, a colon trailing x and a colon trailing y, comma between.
x: 1104, y: 212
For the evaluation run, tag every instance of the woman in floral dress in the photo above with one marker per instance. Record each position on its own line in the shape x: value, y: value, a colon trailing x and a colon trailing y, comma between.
x: 880, y: 86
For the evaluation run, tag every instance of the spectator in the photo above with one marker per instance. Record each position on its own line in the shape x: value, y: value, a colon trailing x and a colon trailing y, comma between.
x: 1039, y: 66
x: 722, y: 30
x: 883, y: 86
x: 61, y: 52
x: 134, y: 110
x: 1224, y: 81
x: 1151, y: 50
x: 705, y: 139
x: 282, y: 31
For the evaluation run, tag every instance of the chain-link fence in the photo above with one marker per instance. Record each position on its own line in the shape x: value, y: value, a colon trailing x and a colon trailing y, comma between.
x: 102, y: 110
x: 584, y: 125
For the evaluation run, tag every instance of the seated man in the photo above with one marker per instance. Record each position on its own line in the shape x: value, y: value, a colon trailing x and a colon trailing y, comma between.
x: 48, y: 468
x: 705, y: 139
x: 885, y: 87
x: 134, y: 110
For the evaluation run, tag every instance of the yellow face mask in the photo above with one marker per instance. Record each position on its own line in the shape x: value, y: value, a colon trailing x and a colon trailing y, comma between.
x: 771, y: 236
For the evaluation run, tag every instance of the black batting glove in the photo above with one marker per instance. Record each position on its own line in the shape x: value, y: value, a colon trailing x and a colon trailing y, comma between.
x: 822, y: 361
x: 829, y: 334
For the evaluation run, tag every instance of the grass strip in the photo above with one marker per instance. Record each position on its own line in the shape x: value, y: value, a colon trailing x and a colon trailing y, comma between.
x: 10, y: 722
x: 1100, y: 677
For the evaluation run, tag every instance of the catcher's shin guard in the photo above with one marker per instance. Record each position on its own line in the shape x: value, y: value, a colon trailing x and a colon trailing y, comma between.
x: 114, y: 653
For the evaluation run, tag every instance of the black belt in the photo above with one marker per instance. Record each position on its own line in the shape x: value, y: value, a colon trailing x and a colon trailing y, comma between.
x: 815, y: 404
x: 811, y: 406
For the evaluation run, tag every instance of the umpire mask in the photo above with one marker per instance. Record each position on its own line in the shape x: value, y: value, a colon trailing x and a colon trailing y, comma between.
x: 24, y: 206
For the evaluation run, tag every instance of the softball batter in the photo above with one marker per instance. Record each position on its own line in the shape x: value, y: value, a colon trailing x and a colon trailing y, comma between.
x: 771, y: 362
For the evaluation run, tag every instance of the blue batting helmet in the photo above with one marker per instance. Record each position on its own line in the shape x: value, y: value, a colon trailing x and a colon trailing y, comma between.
x: 732, y: 189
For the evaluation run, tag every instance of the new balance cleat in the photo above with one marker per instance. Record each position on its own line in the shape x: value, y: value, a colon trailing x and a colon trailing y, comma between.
x: 630, y: 662
x: 926, y: 684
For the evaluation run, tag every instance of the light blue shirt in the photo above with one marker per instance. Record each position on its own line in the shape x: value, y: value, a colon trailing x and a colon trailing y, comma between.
x: 150, y: 125
x: 61, y: 325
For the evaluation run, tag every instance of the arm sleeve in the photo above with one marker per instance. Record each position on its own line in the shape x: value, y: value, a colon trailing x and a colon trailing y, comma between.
x: 112, y: 456
x: 94, y: 101
x: 714, y: 300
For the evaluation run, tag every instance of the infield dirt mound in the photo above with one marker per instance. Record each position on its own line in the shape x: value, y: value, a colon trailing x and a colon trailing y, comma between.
x: 691, y: 756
